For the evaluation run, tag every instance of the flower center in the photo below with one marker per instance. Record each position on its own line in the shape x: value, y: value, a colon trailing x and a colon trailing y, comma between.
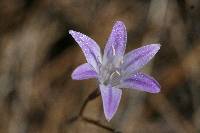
x: 115, y: 78
x: 110, y: 73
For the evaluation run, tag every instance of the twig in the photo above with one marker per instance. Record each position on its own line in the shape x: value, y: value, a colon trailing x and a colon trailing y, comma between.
x: 90, y: 97
x: 88, y: 120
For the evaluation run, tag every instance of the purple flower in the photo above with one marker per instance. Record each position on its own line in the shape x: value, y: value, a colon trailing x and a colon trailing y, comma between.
x: 114, y: 70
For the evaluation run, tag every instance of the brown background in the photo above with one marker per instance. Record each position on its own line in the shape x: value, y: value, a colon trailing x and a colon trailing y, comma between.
x: 37, y: 57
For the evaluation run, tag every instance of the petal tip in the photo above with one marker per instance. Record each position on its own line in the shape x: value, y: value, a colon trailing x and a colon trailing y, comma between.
x: 156, y: 46
x: 156, y: 87
x: 71, y: 32
x: 156, y: 90
x: 108, y: 119
x: 73, y: 76
x: 108, y: 116
x: 119, y: 22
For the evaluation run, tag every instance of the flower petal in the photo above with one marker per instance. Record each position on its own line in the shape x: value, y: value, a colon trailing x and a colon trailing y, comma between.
x: 89, y: 47
x: 111, y: 98
x: 137, y: 58
x: 116, y: 42
x: 141, y: 82
x: 84, y: 71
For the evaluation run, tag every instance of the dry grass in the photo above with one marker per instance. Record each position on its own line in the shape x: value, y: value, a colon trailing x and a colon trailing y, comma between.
x: 37, y: 56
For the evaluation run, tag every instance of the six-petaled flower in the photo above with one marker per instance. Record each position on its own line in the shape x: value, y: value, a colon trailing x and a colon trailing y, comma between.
x: 113, y: 69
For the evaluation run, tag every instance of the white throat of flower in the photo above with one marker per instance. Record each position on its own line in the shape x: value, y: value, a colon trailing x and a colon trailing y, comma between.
x: 110, y: 73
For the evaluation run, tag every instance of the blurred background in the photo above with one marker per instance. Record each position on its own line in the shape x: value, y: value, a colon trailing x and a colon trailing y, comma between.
x: 37, y: 57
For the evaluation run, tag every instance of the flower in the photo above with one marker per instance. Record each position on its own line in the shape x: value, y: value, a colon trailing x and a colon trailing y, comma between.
x: 114, y: 70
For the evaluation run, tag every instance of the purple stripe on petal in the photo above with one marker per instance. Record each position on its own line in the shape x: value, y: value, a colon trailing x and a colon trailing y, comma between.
x: 84, y: 71
x: 111, y: 98
x: 117, y: 41
x: 137, y: 58
x: 141, y: 82
x: 89, y: 47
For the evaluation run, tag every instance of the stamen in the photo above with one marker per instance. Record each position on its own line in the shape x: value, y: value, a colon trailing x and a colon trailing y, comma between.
x: 115, y: 78
x: 113, y: 49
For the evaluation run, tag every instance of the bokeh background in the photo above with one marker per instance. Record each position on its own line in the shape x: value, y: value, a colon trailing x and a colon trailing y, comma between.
x: 37, y: 57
